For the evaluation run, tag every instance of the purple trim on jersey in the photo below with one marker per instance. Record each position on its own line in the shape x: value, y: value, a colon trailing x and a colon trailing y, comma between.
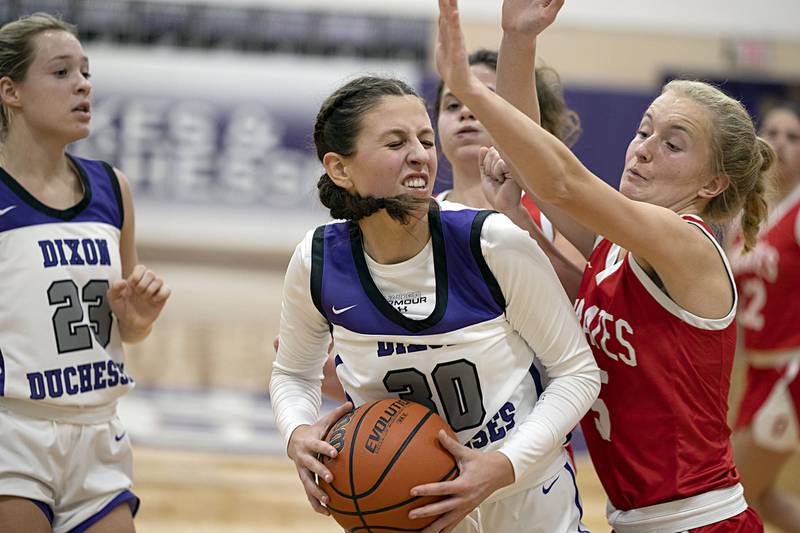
x: 577, y: 497
x: 2, y: 374
x: 101, y: 202
x: 349, y: 298
x: 125, y: 496
x: 537, y: 380
x: 46, y: 509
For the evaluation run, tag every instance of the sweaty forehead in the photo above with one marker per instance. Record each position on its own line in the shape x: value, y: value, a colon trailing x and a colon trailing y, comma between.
x: 679, y: 111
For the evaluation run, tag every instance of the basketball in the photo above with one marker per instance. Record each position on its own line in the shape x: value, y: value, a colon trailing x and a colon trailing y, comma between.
x: 385, y: 448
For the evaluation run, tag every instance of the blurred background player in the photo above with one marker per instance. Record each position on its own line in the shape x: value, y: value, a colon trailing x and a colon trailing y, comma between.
x: 766, y: 432
x: 72, y: 292
x: 659, y: 317
x: 490, y: 308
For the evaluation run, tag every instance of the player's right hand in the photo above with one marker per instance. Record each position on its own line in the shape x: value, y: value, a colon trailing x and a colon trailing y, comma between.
x: 306, y: 445
x: 499, y: 187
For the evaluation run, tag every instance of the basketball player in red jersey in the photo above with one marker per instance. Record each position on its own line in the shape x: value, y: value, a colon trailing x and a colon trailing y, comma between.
x: 657, y: 300
x: 766, y: 433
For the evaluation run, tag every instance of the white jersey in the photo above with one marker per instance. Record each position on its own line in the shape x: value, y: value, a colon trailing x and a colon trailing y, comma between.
x: 59, y: 344
x: 472, y: 327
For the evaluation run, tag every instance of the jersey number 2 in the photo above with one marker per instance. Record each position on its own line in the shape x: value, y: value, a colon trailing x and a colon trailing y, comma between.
x: 456, y: 384
x: 70, y: 331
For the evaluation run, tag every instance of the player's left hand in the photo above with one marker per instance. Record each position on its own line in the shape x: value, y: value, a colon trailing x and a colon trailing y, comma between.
x: 137, y: 301
x: 480, y: 474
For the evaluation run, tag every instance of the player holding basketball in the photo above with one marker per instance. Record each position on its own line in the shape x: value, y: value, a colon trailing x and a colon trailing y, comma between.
x: 768, y: 278
x: 72, y: 292
x: 461, y: 137
x: 482, y: 312
x: 657, y: 300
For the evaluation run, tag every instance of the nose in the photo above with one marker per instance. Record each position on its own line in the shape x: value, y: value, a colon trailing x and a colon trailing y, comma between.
x: 84, y: 86
x: 466, y: 113
x: 643, y: 151
x: 419, y: 155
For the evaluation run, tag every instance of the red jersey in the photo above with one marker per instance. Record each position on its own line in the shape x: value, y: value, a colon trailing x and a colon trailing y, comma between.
x: 538, y: 217
x: 658, y: 432
x: 768, y: 279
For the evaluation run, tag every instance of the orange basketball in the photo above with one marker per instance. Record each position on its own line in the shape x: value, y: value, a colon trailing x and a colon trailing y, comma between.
x: 386, y: 448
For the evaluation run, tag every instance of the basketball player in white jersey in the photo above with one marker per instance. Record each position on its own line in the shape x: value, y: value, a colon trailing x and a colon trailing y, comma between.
x: 72, y: 292
x: 657, y: 300
x: 456, y: 309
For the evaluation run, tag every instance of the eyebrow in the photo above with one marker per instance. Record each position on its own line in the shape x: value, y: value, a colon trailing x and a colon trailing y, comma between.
x: 679, y: 127
x: 83, y: 59
x: 401, y: 132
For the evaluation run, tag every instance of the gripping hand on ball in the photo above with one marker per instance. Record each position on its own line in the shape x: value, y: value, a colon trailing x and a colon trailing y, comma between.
x: 480, y: 474
x: 305, y: 446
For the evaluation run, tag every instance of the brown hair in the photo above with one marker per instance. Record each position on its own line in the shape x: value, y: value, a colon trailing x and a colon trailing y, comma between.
x: 336, y: 130
x: 737, y: 152
x: 556, y: 116
x: 17, y: 51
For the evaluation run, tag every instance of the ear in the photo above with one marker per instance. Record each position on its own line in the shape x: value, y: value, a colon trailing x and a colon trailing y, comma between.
x: 9, y: 95
x: 715, y: 186
x: 336, y: 167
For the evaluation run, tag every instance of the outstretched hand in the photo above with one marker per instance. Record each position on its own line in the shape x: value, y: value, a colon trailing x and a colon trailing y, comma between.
x: 451, y: 53
x: 137, y: 301
x: 529, y: 17
x: 480, y: 474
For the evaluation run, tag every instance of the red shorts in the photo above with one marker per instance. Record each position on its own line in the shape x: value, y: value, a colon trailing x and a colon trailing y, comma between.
x: 746, y: 522
x: 770, y: 406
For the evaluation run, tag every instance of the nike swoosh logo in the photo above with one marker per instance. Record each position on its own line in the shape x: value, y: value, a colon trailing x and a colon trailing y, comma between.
x: 7, y: 209
x: 547, y: 489
x: 342, y: 310
x: 122, y: 436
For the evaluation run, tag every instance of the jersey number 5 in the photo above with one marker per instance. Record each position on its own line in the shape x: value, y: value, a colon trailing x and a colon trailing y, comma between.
x: 603, y: 420
x: 70, y: 331
x: 456, y: 384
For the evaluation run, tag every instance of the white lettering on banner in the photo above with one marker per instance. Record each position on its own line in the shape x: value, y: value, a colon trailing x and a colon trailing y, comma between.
x: 193, y: 151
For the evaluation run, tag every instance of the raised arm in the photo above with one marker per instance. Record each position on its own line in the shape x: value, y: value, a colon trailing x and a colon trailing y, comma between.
x: 523, y: 21
x: 552, y: 171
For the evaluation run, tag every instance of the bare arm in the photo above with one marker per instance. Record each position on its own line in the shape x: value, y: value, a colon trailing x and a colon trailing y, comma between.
x: 138, y: 298
x: 522, y: 21
x: 558, y: 177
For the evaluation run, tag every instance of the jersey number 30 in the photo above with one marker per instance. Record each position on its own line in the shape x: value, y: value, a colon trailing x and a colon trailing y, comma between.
x: 456, y: 384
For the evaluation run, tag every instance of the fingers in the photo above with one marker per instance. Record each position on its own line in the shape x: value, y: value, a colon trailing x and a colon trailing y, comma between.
x: 316, y: 496
x: 331, y: 418
x: 118, y: 289
x: 446, y: 523
x: 145, y: 282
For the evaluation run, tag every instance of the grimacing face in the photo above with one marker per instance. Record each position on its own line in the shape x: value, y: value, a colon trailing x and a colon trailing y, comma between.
x: 668, y: 160
x: 395, y: 150
x: 54, y: 97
